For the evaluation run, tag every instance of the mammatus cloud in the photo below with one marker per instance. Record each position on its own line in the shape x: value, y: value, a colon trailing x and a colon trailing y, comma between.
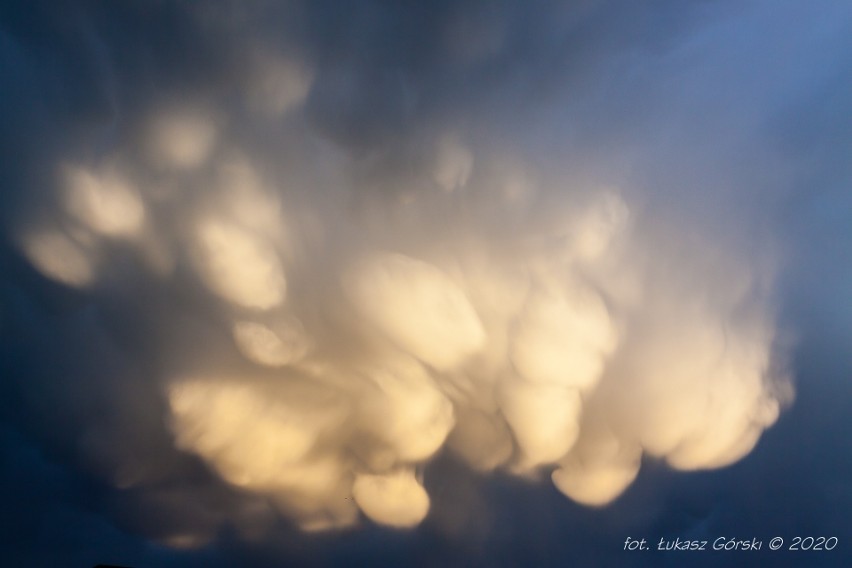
x: 529, y: 354
x: 336, y: 319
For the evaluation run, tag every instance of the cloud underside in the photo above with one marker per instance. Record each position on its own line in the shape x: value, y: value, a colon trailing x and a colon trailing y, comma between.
x: 333, y: 297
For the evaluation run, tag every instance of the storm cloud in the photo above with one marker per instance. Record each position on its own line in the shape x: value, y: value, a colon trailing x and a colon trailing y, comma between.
x: 276, y: 269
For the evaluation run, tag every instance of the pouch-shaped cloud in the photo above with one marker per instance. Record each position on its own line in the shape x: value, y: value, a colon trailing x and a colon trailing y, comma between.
x: 544, y: 419
x: 407, y: 412
x: 283, y: 344
x: 181, y: 138
x: 707, y: 406
x: 59, y: 257
x: 563, y: 338
x: 212, y: 418
x: 417, y: 306
x: 595, y: 482
x: 395, y: 499
x: 481, y: 438
x: 104, y: 203
x: 263, y: 437
x: 238, y: 265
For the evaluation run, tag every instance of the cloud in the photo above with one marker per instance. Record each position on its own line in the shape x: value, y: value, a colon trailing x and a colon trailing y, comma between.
x: 332, y: 260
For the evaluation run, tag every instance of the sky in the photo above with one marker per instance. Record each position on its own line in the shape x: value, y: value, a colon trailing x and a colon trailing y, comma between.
x: 432, y: 284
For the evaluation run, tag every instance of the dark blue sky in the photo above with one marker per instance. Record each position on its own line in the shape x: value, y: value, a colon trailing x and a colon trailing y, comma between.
x: 723, y: 126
